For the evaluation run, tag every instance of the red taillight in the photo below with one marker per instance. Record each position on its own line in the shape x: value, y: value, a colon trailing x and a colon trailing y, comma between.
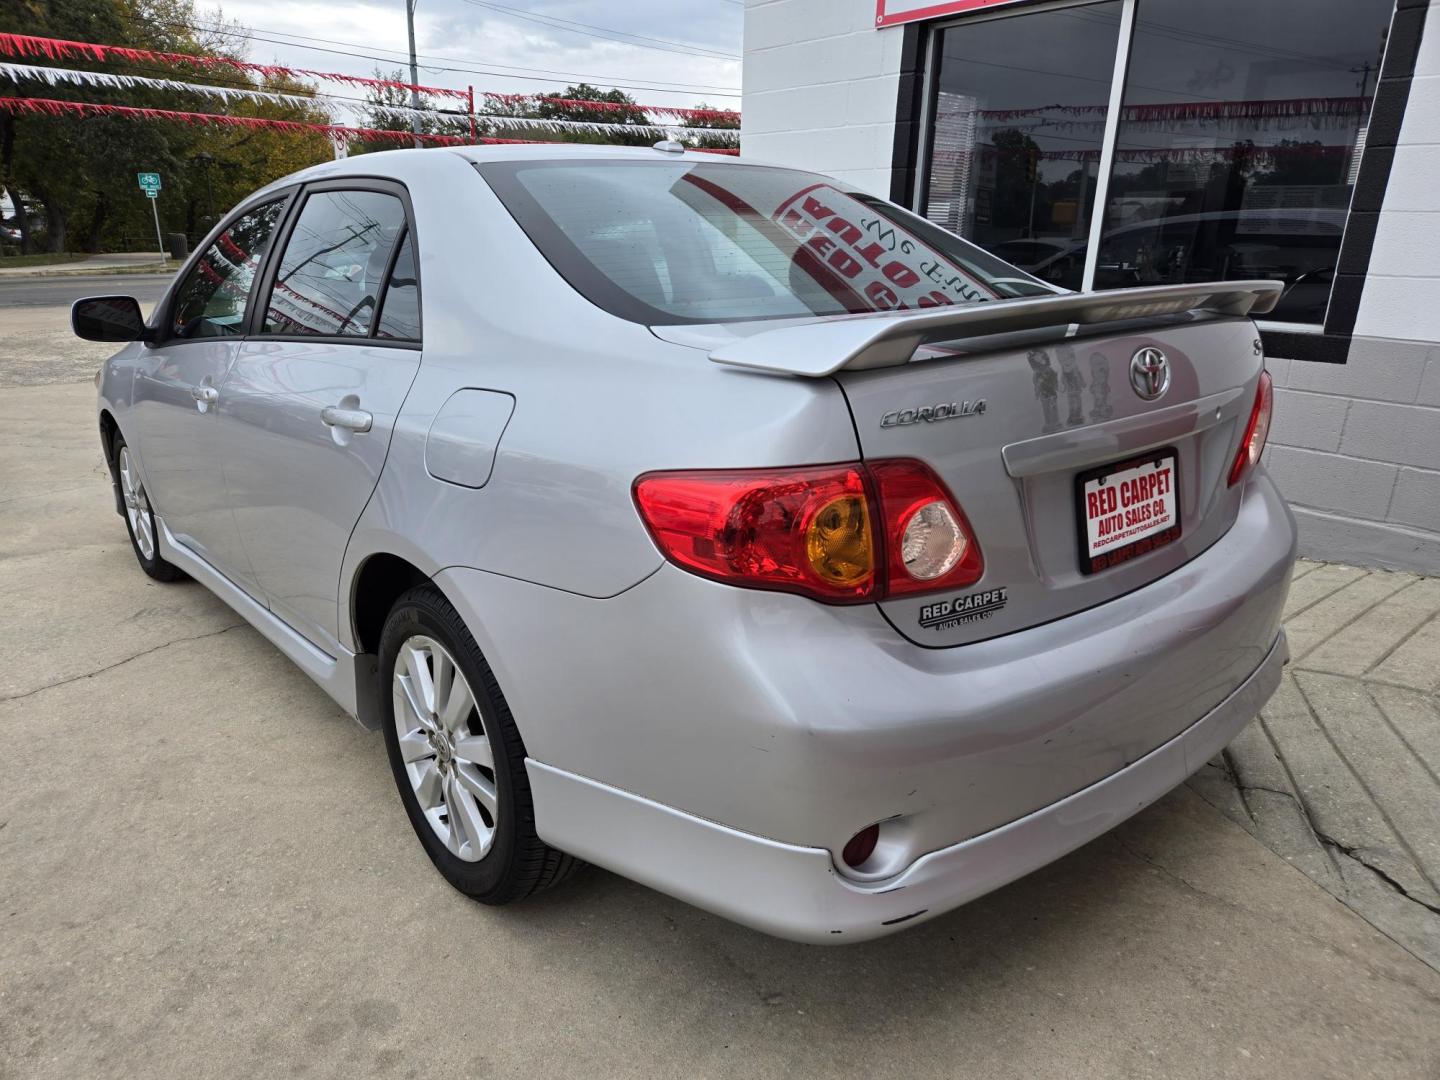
x: 928, y: 542
x: 838, y: 533
x: 1256, y: 431
x: 797, y: 530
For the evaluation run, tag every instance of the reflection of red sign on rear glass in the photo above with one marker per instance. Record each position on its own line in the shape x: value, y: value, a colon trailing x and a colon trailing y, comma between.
x: 877, y: 260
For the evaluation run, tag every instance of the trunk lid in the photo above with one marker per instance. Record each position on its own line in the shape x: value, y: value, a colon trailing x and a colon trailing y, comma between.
x: 1055, y: 412
x: 1013, y: 423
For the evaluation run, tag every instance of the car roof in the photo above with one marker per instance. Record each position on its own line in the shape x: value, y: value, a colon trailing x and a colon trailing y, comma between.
x: 415, y: 162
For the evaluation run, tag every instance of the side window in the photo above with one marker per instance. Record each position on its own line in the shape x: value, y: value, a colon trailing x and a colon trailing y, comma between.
x: 400, y: 314
x: 334, y: 264
x: 211, y: 300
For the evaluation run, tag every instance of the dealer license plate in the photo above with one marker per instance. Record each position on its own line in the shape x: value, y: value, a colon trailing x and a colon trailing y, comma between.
x: 1127, y: 509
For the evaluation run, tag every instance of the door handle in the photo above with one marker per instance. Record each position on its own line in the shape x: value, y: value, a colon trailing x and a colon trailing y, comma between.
x: 206, y: 395
x: 349, y: 419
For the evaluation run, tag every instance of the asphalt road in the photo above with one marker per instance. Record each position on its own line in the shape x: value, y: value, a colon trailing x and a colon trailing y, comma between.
x: 36, y: 345
x: 61, y: 291
x: 205, y: 871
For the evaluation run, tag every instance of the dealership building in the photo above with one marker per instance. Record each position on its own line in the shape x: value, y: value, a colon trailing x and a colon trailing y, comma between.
x: 1106, y: 143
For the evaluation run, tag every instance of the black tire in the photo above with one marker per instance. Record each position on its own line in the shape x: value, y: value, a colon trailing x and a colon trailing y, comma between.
x: 153, y: 564
x: 518, y: 863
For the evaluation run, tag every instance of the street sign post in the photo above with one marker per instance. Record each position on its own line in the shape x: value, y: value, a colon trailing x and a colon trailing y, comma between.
x: 150, y: 184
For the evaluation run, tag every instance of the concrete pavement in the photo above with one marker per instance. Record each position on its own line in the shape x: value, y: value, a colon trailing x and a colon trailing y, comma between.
x: 36, y: 345
x: 1341, y: 776
x: 205, y: 871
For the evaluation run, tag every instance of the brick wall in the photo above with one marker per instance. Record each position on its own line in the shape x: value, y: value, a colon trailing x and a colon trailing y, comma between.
x: 819, y: 88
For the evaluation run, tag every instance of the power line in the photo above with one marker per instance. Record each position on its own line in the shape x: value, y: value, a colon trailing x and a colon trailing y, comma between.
x: 605, y: 33
x: 303, y: 94
x: 670, y: 88
x: 698, y: 89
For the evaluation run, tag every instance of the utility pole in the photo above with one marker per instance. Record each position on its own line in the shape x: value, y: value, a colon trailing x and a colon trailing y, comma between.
x: 414, y: 71
x: 207, y: 160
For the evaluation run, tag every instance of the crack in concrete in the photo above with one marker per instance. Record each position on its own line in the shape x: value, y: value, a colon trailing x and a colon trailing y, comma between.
x: 1171, y: 874
x: 1400, y: 839
x: 121, y: 663
x: 1328, y: 842
x: 1298, y: 930
x: 1261, y: 787
x: 1353, y: 854
x: 1232, y: 776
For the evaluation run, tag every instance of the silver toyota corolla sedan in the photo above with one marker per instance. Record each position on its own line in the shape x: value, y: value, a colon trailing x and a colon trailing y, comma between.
x: 713, y: 522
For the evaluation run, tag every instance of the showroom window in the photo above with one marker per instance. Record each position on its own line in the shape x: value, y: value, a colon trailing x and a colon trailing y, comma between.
x: 1147, y: 142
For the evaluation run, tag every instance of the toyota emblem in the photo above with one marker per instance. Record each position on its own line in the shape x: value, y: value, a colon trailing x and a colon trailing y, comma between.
x: 1150, y: 372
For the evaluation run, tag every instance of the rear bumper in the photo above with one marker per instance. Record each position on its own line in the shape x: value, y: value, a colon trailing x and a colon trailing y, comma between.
x: 794, y: 892
x: 690, y: 717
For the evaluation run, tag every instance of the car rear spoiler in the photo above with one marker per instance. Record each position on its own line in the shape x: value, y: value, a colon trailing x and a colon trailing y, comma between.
x: 856, y: 342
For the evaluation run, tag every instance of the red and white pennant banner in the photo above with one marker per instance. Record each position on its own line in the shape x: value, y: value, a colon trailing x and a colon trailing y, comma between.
x: 56, y: 76
x: 1194, y: 154
x: 29, y: 45
x: 1179, y: 111
x: 68, y: 76
x: 55, y: 107
x: 61, y: 49
x: 711, y: 116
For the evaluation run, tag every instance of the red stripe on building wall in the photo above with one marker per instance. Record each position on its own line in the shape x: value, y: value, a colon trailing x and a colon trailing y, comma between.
x: 886, y: 17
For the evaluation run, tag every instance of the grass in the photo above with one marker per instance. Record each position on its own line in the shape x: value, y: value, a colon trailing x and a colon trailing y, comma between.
x: 148, y: 268
x: 45, y: 259
x: 68, y: 265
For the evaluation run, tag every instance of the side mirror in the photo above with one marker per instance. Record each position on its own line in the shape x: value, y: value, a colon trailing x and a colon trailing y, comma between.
x: 108, y: 318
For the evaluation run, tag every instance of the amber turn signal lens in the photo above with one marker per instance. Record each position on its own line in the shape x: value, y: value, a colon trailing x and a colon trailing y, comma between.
x: 838, y: 542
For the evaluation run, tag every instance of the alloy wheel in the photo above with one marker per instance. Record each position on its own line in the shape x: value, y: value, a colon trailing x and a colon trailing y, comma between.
x: 137, y: 505
x: 447, y: 755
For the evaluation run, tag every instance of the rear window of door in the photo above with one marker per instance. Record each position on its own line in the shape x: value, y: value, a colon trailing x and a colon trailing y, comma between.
x: 210, y: 302
x: 400, y: 306
x: 334, y: 264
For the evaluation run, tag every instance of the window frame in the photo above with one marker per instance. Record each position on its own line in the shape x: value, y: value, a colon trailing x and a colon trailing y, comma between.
x: 405, y: 234
x: 163, y: 320
x: 1327, y: 341
x: 255, y: 313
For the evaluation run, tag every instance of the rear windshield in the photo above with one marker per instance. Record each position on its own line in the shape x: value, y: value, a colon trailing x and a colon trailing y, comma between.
x: 682, y: 242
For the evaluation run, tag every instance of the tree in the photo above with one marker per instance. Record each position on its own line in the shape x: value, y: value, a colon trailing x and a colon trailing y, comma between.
x: 566, y: 106
x: 81, y: 171
x: 387, y: 108
x: 713, y: 123
x: 1017, y: 172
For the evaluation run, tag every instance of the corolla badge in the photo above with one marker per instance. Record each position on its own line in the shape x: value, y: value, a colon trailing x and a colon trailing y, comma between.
x: 1149, y: 372
x: 929, y: 414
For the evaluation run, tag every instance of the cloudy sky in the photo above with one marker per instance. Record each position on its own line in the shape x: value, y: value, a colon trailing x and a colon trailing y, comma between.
x: 664, y: 52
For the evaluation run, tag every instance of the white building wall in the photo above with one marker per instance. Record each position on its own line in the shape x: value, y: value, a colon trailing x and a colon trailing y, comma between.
x: 1356, y: 448
x: 819, y: 89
